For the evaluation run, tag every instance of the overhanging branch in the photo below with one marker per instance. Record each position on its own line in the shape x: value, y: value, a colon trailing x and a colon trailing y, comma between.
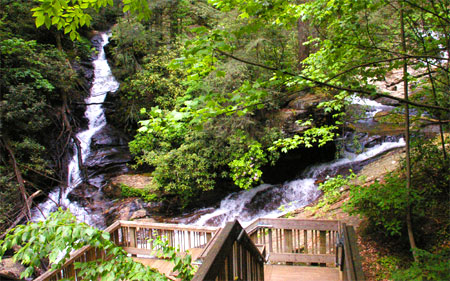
x: 340, y: 88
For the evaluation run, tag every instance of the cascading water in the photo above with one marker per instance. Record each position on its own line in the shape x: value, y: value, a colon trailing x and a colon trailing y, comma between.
x: 275, y: 200
x: 263, y: 201
x: 103, y: 83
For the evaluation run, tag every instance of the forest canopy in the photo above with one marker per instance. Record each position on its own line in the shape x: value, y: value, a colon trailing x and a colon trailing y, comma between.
x: 203, y: 86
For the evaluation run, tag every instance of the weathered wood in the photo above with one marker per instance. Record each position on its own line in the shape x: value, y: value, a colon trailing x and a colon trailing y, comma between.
x: 245, y: 258
x: 304, y: 273
x: 166, y: 226
x: 306, y: 258
x: 352, y: 260
x: 231, y: 255
x: 288, y: 241
x: 293, y: 224
x: 323, y: 244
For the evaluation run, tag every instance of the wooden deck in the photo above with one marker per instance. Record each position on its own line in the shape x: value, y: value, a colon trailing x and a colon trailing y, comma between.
x: 300, y: 273
x: 271, y: 272
x: 164, y: 266
x: 266, y: 250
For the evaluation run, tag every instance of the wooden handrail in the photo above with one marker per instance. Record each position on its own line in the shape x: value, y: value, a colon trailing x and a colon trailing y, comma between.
x: 74, y: 257
x: 351, y: 267
x: 296, y: 240
x: 302, y: 224
x: 233, y: 256
x: 168, y: 226
x: 134, y: 238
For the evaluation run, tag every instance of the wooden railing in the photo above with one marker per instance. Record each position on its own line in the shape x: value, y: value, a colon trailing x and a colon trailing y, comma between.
x: 135, y: 238
x: 232, y: 253
x: 347, y: 254
x: 233, y: 256
x: 293, y: 240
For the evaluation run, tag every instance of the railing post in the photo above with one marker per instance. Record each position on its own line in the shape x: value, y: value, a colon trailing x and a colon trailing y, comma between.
x: 323, y: 244
x: 270, y: 241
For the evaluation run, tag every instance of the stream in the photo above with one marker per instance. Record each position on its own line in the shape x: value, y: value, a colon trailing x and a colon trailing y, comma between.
x: 267, y: 200
x: 103, y: 83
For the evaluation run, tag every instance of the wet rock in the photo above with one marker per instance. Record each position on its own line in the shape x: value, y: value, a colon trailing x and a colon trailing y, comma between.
x: 112, y: 190
x: 106, y: 157
x: 138, y: 181
x: 10, y: 270
x: 268, y: 199
x: 306, y: 102
x: 142, y: 213
x: 388, y: 101
x: 109, y: 136
x: 131, y: 208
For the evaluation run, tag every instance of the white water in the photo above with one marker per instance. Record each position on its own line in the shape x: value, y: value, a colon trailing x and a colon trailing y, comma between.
x: 294, y: 194
x: 372, y: 107
x: 103, y: 83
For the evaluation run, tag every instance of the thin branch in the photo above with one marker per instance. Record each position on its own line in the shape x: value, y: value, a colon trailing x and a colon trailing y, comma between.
x: 427, y: 11
x: 340, y: 88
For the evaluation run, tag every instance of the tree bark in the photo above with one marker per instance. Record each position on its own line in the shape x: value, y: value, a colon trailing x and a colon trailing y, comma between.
x: 18, y: 174
x: 21, y: 215
x: 409, y: 227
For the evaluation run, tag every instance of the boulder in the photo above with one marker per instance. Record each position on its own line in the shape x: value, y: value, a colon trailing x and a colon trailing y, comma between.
x: 10, y: 270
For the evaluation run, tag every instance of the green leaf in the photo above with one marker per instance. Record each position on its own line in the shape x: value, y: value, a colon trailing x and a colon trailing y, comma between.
x: 40, y: 19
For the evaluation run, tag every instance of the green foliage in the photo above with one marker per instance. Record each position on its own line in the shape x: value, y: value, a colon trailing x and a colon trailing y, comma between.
x: 389, y: 265
x: 431, y: 266
x: 332, y: 190
x: 57, y: 236
x: 71, y: 15
x: 145, y: 194
x: 320, y: 135
x: 384, y: 204
x: 67, y: 15
x: 155, y: 85
x: 246, y: 170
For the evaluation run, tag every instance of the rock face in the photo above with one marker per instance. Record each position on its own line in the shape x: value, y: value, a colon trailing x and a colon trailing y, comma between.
x: 290, y: 165
x: 109, y: 151
x: 10, y: 270
x: 130, y: 209
x: 302, y: 107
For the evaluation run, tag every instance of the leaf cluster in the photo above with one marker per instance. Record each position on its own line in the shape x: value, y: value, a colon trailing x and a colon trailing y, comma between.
x: 53, y: 240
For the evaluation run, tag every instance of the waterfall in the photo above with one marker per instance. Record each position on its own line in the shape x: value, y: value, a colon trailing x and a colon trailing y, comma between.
x: 103, y: 83
x: 275, y: 200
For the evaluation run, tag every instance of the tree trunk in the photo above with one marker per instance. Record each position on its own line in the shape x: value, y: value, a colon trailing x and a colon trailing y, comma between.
x: 19, y: 176
x: 21, y: 215
x: 412, y: 242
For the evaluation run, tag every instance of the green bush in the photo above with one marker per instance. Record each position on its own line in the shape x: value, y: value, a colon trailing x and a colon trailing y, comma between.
x: 383, y: 204
x: 429, y: 267
x: 146, y: 194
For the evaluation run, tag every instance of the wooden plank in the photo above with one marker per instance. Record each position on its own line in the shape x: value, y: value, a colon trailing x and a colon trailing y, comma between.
x: 270, y: 241
x: 293, y: 224
x: 168, y: 226
x: 300, y: 273
x: 305, y: 241
x: 139, y: 251
x: 322, y: 244
x: 352, y: 260
x: 306, y: 258
x: 288, y: 241
x: 214, y: 262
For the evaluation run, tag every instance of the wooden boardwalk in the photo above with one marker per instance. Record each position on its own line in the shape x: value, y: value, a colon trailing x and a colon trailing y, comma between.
x: 300, y: 273
x: 266, y: 250
x: 164, y: 266
x: 271, y: 272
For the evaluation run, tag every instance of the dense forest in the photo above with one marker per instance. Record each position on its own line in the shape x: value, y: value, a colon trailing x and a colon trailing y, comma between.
x: 206, y: 98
